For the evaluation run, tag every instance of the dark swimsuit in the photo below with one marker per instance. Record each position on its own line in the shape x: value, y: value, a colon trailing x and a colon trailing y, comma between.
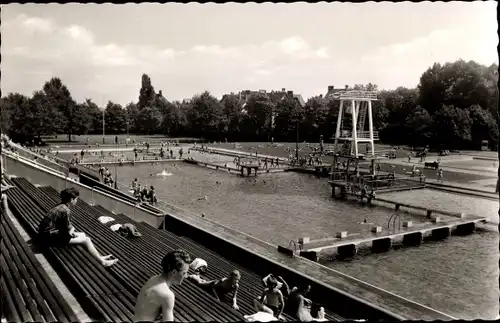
x: 274, y: 308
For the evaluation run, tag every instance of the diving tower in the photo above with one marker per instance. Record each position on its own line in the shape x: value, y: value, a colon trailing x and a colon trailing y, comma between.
x: 351, y: 129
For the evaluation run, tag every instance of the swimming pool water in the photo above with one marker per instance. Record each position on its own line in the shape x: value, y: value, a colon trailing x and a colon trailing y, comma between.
x: 458, y: 276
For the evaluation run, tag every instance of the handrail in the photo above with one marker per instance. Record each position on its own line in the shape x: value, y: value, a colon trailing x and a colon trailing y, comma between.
x: 354, y: 94
x: 347, y: 134
x: 294, y: 246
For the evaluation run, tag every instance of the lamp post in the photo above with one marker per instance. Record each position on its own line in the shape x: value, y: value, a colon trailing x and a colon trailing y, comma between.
x: 116, y: 173
x: 103, y: 125
x: 297, y: 141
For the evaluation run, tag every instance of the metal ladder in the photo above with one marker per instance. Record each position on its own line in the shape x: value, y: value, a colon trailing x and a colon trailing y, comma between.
x: 362, y: 116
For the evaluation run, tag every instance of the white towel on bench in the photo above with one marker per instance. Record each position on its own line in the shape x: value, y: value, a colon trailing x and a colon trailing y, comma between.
x: 260, y: 317
x: 105, y: 219
x: 115, y: 227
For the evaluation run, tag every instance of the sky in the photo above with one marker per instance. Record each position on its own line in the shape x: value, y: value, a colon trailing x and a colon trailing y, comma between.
x: 100, y: 51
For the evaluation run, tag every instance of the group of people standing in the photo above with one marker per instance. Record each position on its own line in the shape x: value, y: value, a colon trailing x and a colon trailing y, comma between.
x: 105, y: 175
x: 142, y: 193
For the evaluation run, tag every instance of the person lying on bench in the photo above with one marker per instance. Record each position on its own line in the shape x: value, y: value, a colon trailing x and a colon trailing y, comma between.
x: 55, y: 229
x: 220, y: 287
x: 156, y: 297
x: 271, y: 301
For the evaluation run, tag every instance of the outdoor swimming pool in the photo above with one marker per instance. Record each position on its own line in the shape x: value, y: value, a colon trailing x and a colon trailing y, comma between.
x: 458, y: 276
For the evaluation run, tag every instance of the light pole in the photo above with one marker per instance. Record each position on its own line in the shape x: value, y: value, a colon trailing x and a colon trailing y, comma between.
x: 103, y: 125
x: 297, y: 142
x: 116, y: 173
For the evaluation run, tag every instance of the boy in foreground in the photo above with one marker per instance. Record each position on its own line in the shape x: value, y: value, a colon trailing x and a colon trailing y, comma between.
x: 156, y: 297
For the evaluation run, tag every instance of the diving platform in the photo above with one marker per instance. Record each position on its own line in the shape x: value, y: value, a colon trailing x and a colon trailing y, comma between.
x: 344, y: 184
x: 248, y: 169
x: 382, y: 240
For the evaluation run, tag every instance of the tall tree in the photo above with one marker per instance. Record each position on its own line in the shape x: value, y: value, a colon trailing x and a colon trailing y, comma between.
x: 95, y: 116
x: 147, y: 94
x: 232, y: 111
x: 149, y: 120
x: 484, y: 126
x: 115, y: 118
x: 206, y: 115
x: 132, y: 112
x: 59, y: 97
x: 460, y: 84
x: 171, y: 118
x: 8, y: 106
x: 81, y: 119
x: 418, y: 127
x: 288, y: 113
x: 259, y: 109
x: 315, y: 121
x: 452, y: 127
x: 34, y: 117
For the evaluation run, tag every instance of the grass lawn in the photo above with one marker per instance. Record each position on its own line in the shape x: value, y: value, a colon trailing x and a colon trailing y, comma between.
x: 279, y: 150
x: 62, y: 140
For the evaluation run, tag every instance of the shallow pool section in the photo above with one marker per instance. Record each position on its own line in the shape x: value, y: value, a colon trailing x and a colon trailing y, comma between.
x: 436, y: 199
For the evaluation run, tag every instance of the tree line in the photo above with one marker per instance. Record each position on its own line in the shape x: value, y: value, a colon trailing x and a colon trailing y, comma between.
x: 455, y: 105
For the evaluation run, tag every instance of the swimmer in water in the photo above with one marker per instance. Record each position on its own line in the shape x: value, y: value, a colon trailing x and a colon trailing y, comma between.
x: 203, y: 198
x: 365, y: 222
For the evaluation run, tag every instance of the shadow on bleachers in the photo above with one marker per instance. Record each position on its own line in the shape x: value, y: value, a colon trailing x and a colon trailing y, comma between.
x: 27, y: 292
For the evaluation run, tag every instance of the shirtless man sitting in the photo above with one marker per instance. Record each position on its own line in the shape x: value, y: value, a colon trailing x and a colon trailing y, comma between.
x: 271, y: 300
x: 156, y: 298
x: 282, y: 285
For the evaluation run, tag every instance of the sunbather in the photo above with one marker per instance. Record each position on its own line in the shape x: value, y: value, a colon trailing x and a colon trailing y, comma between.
x: 271, y: 301
x: 56, y: 230
x: 221, y: 287
x: 282, y: 285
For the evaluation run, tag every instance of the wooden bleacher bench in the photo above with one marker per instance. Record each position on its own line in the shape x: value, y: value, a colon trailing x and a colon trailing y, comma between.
x: 99, y: 294
x: 256, y: 280
x: 250, y: 285
x: 153, y: 267
x: 24, y: 281
x: 158, y: 247
x: 134, y: 268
